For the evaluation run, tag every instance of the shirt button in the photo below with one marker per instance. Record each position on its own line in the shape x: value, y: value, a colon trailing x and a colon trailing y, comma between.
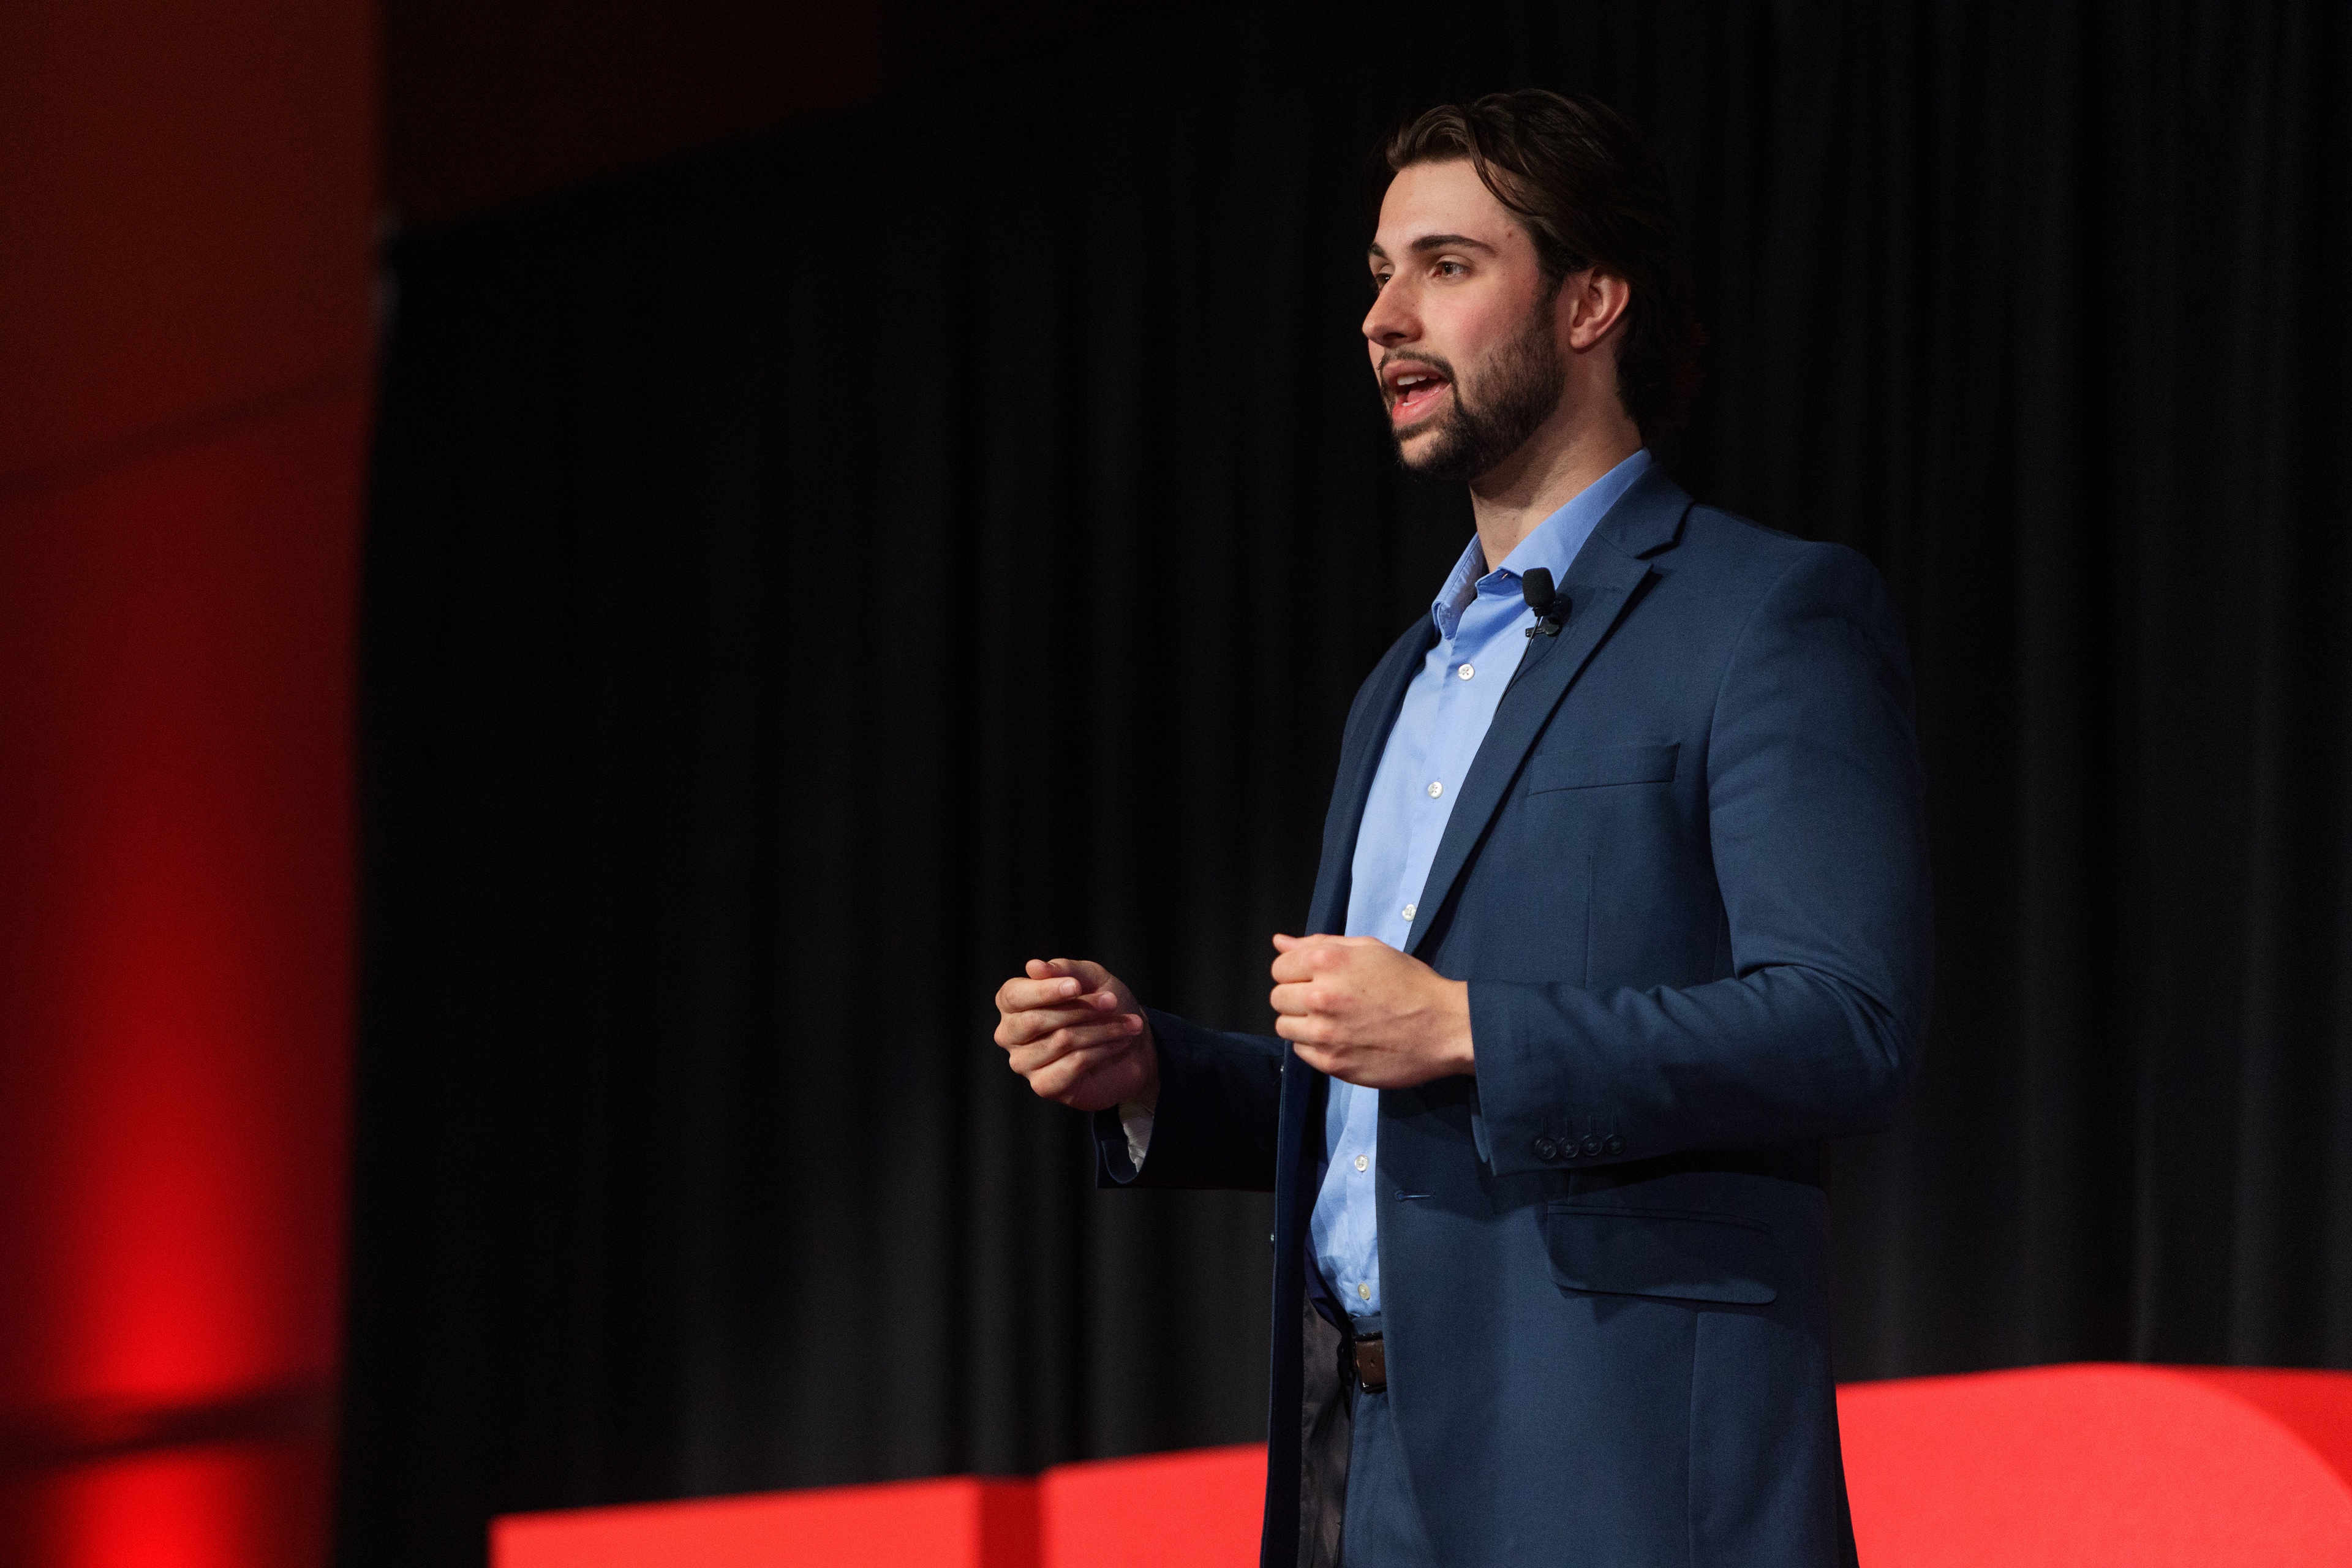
x: 1363, y: 1292
x: 1436, y: 789
x: 1409, y: 908
x: 1466, y: 672
x: 1363, y: 1163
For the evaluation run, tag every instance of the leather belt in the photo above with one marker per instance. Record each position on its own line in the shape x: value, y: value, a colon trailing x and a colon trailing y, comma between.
x: 1370, y: 1355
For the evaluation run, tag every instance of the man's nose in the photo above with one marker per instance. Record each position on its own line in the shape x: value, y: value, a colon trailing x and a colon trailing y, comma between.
x: 1391, y: 321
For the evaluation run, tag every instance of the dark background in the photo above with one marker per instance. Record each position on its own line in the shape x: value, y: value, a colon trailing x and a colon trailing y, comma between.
x: 810, y: 573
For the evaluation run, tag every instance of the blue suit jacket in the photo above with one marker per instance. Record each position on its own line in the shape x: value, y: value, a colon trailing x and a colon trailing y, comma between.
x: 1686, y: 883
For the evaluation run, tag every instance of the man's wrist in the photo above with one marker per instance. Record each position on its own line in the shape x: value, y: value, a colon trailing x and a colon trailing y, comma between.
x: 1461, y: 1054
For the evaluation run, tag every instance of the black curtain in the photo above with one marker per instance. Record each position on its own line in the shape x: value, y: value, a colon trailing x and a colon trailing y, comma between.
x: 805, y: 581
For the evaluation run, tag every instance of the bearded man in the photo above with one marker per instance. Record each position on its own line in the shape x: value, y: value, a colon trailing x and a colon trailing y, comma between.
x: 1622, y: 911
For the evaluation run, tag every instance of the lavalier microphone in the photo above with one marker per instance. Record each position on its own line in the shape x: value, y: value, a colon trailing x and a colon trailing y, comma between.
x: 1550, y: 608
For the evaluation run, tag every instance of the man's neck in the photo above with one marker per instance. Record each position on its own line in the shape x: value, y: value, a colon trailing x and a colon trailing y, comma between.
x: 1544, y: 476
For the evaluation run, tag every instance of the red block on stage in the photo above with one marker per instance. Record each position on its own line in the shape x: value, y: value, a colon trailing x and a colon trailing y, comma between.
x: 962, y: 1522
x: 1197, y: 1509
x: 2092, y: 1466
x: 2084, y: 1467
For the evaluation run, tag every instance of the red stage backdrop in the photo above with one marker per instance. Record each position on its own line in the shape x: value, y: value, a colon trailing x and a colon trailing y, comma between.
x: 186, y: 195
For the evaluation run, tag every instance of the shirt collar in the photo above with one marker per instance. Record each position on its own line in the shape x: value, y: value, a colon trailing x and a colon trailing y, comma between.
x: 1552, y: 544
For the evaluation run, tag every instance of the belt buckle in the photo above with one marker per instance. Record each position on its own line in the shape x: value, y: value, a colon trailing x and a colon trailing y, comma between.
x: 1371, y: 1356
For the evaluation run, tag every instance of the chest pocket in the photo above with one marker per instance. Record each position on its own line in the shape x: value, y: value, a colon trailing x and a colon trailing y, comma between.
x: 1590, y: 767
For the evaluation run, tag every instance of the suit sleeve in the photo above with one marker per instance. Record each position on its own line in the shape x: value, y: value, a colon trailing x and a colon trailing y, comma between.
x: 1815, y: 825
x: 1220, y: 1098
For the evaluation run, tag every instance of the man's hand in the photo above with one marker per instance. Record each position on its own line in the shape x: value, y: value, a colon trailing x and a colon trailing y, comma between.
x: 1357, y: 1008
x: 1077, y: 1034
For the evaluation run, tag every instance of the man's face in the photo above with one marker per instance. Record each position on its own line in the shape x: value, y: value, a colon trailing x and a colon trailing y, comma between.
x: 1462, y: 333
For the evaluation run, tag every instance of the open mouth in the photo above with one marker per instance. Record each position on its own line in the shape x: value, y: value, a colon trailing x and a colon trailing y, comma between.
x: 1414, y: 391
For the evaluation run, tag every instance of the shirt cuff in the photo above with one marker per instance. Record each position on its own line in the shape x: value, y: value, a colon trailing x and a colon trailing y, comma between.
x: 1136, y: 1122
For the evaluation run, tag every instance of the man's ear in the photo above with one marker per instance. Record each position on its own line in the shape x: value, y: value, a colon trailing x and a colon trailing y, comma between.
x: 1590, y: 305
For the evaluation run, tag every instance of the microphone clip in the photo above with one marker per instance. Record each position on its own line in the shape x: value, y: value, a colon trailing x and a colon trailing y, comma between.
x: 1549, y: 606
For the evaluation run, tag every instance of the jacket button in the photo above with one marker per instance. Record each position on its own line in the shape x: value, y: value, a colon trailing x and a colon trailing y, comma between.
x: 1615, y: 1145
x: 1546, y: 1149
x: 1592, y: 1143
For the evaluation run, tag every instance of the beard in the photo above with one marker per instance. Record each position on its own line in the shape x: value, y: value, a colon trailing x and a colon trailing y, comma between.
x: 1514, y: 396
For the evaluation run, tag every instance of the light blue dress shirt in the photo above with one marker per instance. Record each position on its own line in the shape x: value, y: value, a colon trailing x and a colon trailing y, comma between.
x: 1481, y: 633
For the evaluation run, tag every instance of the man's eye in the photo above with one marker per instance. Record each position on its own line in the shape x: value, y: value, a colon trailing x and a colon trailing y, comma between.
x: 1379, y: 279
x: 1450, y: 269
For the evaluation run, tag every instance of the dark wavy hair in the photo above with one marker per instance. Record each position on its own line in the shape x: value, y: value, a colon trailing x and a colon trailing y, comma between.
x: 1591, y: 194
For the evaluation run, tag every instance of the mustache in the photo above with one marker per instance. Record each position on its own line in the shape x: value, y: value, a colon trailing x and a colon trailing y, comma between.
x: 1426, y: 361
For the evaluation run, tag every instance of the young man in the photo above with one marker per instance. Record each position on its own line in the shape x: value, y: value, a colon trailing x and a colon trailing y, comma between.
x: 1635, y: 905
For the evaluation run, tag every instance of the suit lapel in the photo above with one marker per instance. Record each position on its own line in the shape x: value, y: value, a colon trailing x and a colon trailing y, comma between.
x: 1602, y: 582
x: 1359, y: 760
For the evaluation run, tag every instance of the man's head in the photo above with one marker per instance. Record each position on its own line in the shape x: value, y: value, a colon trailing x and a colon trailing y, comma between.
x: 1528, y: 257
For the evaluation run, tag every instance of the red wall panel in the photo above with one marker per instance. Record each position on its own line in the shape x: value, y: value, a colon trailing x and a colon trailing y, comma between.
x: 210, y: 1506
x: 186, y: 191
x: 176, y: 847
x: 175, y: 828
x: 185, y: 339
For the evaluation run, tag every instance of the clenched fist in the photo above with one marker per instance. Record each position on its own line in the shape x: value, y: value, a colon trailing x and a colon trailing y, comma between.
x: 1357, y: 1008
x: 1078, y: 1035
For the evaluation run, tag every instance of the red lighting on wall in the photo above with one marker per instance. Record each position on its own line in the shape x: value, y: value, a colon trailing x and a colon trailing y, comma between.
x: 183, y: 358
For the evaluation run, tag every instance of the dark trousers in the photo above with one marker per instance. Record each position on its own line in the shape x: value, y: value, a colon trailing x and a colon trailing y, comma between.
x: 1356, y: 1505
x: 1383, y: 1524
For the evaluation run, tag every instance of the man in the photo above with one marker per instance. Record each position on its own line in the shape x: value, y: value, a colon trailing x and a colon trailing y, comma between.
x: 1635, y: 909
